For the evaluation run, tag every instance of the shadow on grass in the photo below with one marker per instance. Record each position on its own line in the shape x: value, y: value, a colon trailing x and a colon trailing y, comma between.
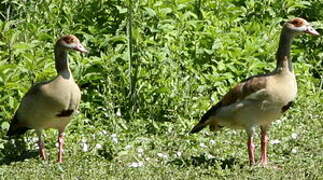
x: 15, y: 151
x: 203, y: 161
x: 106, y: 154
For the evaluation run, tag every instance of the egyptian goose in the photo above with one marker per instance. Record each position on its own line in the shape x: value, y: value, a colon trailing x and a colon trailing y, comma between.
x: 261, y: 99
x: 50, y: 104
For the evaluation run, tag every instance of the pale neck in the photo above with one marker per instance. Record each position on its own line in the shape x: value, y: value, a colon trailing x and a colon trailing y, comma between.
x: 283, y: 52
x: 61, y: 62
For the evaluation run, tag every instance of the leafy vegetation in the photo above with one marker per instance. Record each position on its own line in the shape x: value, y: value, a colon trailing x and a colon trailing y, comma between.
x: 185, y: 56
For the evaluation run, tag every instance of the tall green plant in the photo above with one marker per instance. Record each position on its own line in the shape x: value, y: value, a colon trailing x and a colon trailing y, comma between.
x: 132, y: 82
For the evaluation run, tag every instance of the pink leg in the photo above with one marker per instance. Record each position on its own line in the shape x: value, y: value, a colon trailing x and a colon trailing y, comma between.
x: 264, y: 146
x: 251, y: 150
x: 60, y: 147
x: 41, y: 146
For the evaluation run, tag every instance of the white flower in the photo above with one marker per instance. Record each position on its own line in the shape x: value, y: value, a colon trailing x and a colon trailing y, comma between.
x: 294, y: 150
x: 35, y: 139
x: 294, y: 135
x: 278, y: 121
x: 127, y: 147
x: 209, y: 156
x: 161, y: 155
x: 104, y: 132
x: 98, y: 146
x: 202, y: 145
x: 275, y: 141
x: 136, y: 164
x: 118, y: 113
x: 140, y: 150
x: 85, y: 147
x: 212, y: 142
x: 178, y: 153
x: 114, y: 138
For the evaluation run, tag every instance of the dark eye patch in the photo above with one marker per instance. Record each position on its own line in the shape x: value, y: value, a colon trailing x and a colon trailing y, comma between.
x: 69, y: 39
x: 297, y: 22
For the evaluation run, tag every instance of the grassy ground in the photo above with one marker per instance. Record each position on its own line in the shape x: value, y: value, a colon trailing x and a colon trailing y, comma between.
x: 169, y: 152
x: 186, y: 55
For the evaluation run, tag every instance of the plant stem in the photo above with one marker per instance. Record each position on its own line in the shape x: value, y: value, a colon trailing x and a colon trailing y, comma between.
x: 130, y: 56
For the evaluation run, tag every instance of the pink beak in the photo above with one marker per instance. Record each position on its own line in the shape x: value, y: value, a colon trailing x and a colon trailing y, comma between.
x: 81, y: 48
x: 312, y: 31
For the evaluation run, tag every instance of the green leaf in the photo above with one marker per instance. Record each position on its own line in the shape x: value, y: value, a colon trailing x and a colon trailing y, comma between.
x: 122, y: 10
x: 150, y: 12
x: 5, y: 125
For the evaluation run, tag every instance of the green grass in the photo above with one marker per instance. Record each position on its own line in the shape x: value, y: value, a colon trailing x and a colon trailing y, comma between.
x: 171, y: 153
x: 186, y: 56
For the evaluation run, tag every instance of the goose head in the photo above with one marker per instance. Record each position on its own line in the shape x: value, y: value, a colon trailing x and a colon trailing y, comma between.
x: 299, y: 26
x: 70, y: 42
